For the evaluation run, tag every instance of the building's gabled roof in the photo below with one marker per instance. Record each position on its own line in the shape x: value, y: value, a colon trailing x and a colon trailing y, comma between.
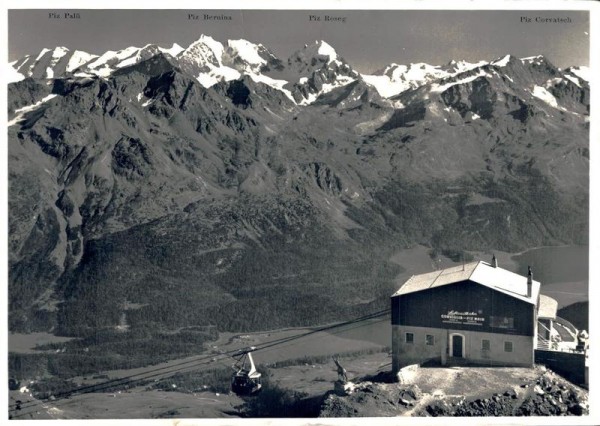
x: 548, y: 307
x: 483, y: 273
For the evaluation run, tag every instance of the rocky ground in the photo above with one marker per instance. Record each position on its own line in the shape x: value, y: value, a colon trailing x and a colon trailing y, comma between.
x: 309, y: 389
x: 536, y: 392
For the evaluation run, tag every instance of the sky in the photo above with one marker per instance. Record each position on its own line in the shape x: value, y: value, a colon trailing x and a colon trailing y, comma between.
x: 368, y: 39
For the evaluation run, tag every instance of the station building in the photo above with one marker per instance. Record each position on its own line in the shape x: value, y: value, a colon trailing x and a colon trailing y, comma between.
x: 475, y: 313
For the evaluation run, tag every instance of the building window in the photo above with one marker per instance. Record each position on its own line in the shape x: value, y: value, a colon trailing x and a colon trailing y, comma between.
x: 508, y: 347
x: 410, y: 338
x: 485, y: 345
x: 429, y: 340
x: 502, y: 322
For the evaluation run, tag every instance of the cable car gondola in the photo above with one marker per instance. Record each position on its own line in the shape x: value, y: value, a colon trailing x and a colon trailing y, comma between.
x: 246, y: 380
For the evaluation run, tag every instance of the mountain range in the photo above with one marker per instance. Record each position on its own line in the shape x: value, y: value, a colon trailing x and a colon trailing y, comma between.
x: 219, y: 184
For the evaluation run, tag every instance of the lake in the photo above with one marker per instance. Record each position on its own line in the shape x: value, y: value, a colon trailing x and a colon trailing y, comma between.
x: 563, y: 271
x: 555, y: 264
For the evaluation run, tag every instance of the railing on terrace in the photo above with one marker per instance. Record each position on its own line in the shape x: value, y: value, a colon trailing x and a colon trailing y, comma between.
x: 543, y: 344
x: 567, y: 324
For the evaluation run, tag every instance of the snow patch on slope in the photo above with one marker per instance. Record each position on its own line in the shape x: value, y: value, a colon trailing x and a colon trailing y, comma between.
x: 532, y: 59
x: 340, y: 81
x: 58, y: 53
x: 12, y: 75
x: 173, y: 50
x: 541, y: 93
x: 102, y: 63
x: 395, y: 79
x: 78, y: 59
x: 326, y: 50
x: 384, y: 86
x: 502, y: 62
x: 217, y: 74
x: 42, y: 53
x: 276, y: 84
x: 437, y: 88
x: 246, y: 51
x: 22, y: 111
x: 463, y: 66
x: 582, y: 72
x: 573, y: 79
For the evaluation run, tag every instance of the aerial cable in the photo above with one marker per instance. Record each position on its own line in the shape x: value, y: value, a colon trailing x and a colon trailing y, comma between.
x: 123, y: 381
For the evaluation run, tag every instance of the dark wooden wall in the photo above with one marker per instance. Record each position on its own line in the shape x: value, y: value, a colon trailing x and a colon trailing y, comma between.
x: 425, y: 308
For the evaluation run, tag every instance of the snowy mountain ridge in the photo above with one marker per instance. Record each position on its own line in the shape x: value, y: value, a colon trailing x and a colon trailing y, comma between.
x: 308, y: 73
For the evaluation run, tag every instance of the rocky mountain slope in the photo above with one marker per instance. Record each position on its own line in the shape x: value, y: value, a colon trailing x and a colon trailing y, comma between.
x: 219, y: 184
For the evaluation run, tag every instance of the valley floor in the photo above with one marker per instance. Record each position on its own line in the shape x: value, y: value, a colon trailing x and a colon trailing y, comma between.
x: 138, y: 402
x: 437, y: 387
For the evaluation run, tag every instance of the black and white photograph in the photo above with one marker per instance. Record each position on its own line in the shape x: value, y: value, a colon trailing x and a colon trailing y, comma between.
x: 259, y: 212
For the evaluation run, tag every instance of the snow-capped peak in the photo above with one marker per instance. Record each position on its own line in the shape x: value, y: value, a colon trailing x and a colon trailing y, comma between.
x: 204, y: 60
x: 532, y: 59
x: 12, y: 74
x: 582, y: 72
x: 216, y: 46
x: 173, y: 51
x: 325, y: 49
x: 110, y: 57
x: 204, y: 50
x: 79, y: 58
x: 396, y: 78
x: 456, y: 67
x: 312, y: 57
x: 144, y: 53
x: 42, y: 53
x: 59, y: 52
x: 246, y: 51
x: 503, y: 61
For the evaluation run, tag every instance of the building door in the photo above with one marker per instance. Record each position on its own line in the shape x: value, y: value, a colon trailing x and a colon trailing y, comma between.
x: 457, y: 345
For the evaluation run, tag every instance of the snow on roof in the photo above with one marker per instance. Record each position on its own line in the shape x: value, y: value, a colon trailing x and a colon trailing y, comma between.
x: 483, y: 273
x: 547, y: 307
